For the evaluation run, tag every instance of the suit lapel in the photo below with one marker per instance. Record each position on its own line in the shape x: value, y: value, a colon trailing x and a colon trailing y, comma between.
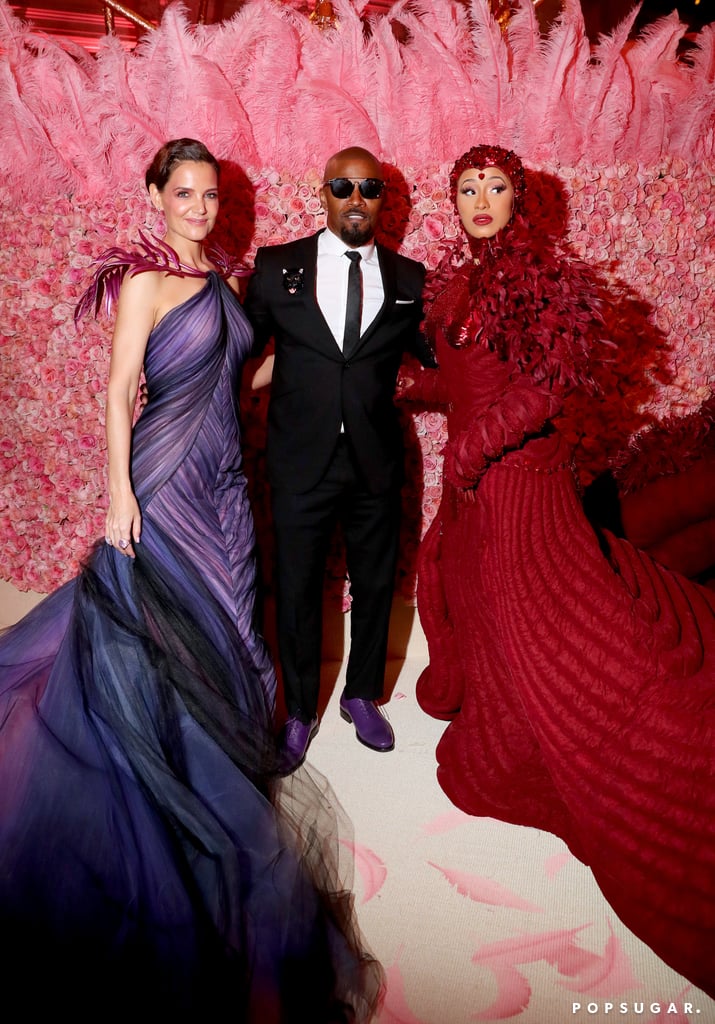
x: 315, y: 322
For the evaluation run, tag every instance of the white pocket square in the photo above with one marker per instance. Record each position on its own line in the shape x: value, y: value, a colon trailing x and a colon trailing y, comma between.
x: 405, y: 302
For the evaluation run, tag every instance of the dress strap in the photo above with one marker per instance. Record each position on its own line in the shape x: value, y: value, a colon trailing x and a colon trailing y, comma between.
x: 151, y: 254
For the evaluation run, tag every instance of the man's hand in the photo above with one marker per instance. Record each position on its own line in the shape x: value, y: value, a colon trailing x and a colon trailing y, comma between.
x: 264, y: 374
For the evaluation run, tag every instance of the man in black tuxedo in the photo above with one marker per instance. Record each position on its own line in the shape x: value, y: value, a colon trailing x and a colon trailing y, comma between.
x: 334, y: 447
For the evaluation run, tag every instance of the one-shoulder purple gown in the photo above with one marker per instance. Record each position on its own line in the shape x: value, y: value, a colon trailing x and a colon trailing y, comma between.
x: 150, y: 858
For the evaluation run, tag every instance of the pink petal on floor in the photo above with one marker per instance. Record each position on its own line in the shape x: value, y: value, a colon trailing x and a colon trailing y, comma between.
x: 485, y: 890
x: 395, y: 1009
x: 554, y: 864
x: 503, y: 957
x: 445, y: 822
x: 371, y: 869
x: 604, y: 975
x: 513, y: 995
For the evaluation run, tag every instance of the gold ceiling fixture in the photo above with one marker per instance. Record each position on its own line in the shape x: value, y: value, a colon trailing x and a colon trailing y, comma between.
x: 503, y: 10
x: 323, y: 15
x: 112, y: 7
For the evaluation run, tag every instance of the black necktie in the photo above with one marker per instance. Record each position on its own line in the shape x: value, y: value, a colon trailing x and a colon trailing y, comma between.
x: 353, y: 307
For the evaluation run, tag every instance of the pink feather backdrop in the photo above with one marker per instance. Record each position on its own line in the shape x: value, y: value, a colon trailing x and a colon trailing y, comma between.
x: 622, y: 130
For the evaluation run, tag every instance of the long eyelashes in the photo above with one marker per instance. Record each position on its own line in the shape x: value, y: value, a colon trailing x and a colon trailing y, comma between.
x: 494, y: 190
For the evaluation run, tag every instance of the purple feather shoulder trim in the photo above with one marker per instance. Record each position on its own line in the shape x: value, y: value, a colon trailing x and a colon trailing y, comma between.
x: 151, y: 254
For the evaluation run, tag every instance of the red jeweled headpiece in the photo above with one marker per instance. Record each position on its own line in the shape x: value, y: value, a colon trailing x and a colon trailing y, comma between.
x: 491, y: 156
x: 520, y: 295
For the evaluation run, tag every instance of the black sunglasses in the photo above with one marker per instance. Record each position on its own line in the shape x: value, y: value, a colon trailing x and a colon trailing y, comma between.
x: 343, y: 188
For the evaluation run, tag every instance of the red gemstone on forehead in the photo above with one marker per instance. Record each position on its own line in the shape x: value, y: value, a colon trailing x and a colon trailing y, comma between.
x: 481, y: 175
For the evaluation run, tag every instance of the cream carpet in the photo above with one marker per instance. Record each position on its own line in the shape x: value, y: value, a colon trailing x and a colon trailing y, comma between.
x: 473, y: 919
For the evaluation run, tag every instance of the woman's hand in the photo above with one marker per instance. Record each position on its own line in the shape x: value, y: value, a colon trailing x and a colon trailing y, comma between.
x: 124, y: 524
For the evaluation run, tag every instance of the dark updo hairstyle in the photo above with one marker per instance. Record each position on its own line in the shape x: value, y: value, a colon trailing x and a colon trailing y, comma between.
x: 178, y: 151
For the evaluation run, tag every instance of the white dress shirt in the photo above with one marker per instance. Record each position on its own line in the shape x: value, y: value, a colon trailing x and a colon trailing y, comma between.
x: 332, y: 283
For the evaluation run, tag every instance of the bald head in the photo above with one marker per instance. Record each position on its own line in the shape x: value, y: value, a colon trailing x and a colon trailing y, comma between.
x: 353, y: 219
x: 336, y: 163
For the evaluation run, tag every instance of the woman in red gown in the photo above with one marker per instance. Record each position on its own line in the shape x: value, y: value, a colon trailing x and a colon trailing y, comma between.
x: 578, y: 674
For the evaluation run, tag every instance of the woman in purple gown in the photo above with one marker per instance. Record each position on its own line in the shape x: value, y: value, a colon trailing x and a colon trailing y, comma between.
x: 151, y: 857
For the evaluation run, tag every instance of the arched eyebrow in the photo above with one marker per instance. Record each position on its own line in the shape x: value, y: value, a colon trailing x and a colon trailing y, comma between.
x: 189, y: 188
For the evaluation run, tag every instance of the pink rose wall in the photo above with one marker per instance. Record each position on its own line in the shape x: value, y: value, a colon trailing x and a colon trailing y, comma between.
x: 623, y: 132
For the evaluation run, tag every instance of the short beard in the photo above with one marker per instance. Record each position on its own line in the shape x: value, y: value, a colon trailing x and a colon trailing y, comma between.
x: 356, y: 235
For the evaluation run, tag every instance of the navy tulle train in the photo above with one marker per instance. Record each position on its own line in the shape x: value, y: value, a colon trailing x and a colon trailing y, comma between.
x: 151, y: 858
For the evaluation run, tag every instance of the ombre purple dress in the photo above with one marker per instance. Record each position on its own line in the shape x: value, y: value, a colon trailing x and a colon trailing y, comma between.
x: 151, y: 860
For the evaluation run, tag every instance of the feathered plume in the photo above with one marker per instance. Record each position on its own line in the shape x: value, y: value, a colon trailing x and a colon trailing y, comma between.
x: 687, y: 137
x: 45, y: 120
x: 417, y: 85
x: 550, y: 99
x: 524, y: 37
x: 259, y: 55
x: 413, y: 41
x: 652, y: 60
x: 333, y: 90
x: 187, y: 91
x: 492, y: 66
x: 611, y: 92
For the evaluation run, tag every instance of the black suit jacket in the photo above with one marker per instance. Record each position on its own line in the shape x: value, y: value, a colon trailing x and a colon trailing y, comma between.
x: 316, y: 387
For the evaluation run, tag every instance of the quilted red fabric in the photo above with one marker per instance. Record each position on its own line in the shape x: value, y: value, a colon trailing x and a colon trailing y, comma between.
x: 578, y: 674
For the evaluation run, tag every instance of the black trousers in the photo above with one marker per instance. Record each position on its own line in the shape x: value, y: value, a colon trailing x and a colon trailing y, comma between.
x: 304, y: 525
